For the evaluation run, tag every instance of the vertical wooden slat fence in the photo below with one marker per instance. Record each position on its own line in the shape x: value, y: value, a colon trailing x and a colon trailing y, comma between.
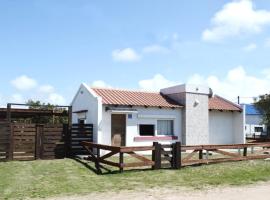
x: 24, y: 141
x: 78, y: 134
x: 32, y: 141
x: 4, y: 140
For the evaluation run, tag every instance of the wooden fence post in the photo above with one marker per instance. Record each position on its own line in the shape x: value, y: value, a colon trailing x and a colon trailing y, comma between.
x: 97, y: 161
x: 201, y: 154
x: 177, y: 160
x: 67, y: 135
x: 156, y: 155
x: 38, y: 142
x: 11, y: 142
x: 121, y: 162
x: 245, y: 151
x: 9, y: 112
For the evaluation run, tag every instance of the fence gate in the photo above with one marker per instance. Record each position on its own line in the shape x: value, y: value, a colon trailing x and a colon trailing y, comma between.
x: 32, y: 141
x: 79, y: 133
x: 23, y: 143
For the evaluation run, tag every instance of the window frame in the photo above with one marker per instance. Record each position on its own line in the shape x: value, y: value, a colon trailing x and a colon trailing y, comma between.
x: 173, y: 128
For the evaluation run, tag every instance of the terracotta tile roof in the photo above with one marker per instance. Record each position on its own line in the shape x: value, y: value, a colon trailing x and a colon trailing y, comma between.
x: 154, y: 99
x: 218, y: 103
x: 135, y: 98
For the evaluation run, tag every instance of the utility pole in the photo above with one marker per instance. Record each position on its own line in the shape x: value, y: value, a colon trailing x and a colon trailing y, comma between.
x: 238, y: 99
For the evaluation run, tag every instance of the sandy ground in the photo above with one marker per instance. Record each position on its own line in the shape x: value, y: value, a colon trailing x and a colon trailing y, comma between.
x: 253, y: 192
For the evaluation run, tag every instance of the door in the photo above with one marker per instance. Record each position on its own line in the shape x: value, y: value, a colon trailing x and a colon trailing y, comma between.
x: 118, y: 126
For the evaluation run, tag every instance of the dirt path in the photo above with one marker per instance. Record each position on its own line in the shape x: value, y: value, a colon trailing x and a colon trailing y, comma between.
x: 253, y: 192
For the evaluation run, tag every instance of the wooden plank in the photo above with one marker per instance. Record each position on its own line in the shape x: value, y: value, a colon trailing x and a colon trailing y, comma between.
x: 226, y: 153
x: 139, y: 148
x: 138, y: 164
x: 101, y: 146
x: 108, y: 155
x: 234, y: 146
x: 139, y: 157
x: 220, y: 160
x: 189, y: 156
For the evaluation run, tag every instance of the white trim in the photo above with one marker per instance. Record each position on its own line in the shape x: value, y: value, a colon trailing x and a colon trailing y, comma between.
x: 122, y: 111
x: 157, y: 116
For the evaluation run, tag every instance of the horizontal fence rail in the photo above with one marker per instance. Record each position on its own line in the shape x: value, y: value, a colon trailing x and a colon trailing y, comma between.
x: 174, y: 155
x: 115, y: 150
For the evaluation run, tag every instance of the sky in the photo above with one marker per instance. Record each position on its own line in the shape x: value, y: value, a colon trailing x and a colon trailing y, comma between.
x: 49, y: 47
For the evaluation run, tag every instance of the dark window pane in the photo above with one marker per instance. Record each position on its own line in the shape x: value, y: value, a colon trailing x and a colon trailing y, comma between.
x: 147, y: 130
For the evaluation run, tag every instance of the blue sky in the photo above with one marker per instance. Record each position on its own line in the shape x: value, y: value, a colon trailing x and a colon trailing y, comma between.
x: 47, y: 48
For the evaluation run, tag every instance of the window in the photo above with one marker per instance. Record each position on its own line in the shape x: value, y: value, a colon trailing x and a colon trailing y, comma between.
x: 81, y: 121
x: 147, y: 130
x: 258, y: 129
x: 165, y: 127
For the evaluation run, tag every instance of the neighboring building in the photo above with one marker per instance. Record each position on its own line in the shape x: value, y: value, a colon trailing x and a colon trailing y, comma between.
x: 185, y: 113
x: 254, y: 121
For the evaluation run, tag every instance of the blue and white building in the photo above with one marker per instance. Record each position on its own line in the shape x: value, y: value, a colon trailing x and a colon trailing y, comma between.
x: 254, y: 121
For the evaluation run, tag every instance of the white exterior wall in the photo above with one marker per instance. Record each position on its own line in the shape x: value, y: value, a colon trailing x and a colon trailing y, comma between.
x: 86, y: 99
x: 143, y: 116
x: 195, y: 116
x: 197, y: 119
x: 226, y: 127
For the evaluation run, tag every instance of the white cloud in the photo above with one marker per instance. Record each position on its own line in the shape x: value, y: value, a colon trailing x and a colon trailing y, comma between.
x: 46, y: 89
x: 125, y: 55
x: 250, y: 47
x: 30, y: 89
x: 56, y: 99
x: 236, y: 18
x: 156, y: 83
x: 24, y: 83
x: 155, y: 49
x: 100, y: 84
x: 236, y: 83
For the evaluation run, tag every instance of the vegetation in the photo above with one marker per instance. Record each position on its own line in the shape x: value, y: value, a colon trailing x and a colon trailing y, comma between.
x: 263, y: 104
x: 45, y: 119
x: 44, y: 178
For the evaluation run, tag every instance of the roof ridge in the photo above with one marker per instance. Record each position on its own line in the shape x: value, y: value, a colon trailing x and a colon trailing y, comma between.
x: 125, y: 90
x: 228, y: 101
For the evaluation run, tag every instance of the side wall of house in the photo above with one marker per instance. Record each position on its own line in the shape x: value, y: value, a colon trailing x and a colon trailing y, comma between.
x: 221, y: 127
x: 86, y: 100
x: 239, y: 127
x: 226, y: 127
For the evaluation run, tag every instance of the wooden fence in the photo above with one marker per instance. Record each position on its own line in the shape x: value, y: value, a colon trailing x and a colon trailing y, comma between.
x: 77, y: 134
x: 32, y: 141
x: 174, y: 156
x: 19, y: 141
x: 4, y: 140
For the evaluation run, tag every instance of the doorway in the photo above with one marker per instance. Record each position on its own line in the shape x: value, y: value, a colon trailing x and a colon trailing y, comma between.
x: 118, y: 125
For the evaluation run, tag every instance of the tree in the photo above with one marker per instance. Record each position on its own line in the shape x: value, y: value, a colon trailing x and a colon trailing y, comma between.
x: 51, y: 118
x: 263, y: 105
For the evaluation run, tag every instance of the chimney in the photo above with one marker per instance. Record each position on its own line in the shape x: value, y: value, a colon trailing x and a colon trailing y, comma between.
x: 195, y: 115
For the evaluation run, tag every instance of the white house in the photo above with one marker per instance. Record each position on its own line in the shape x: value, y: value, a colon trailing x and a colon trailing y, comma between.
x: 185, y: 113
